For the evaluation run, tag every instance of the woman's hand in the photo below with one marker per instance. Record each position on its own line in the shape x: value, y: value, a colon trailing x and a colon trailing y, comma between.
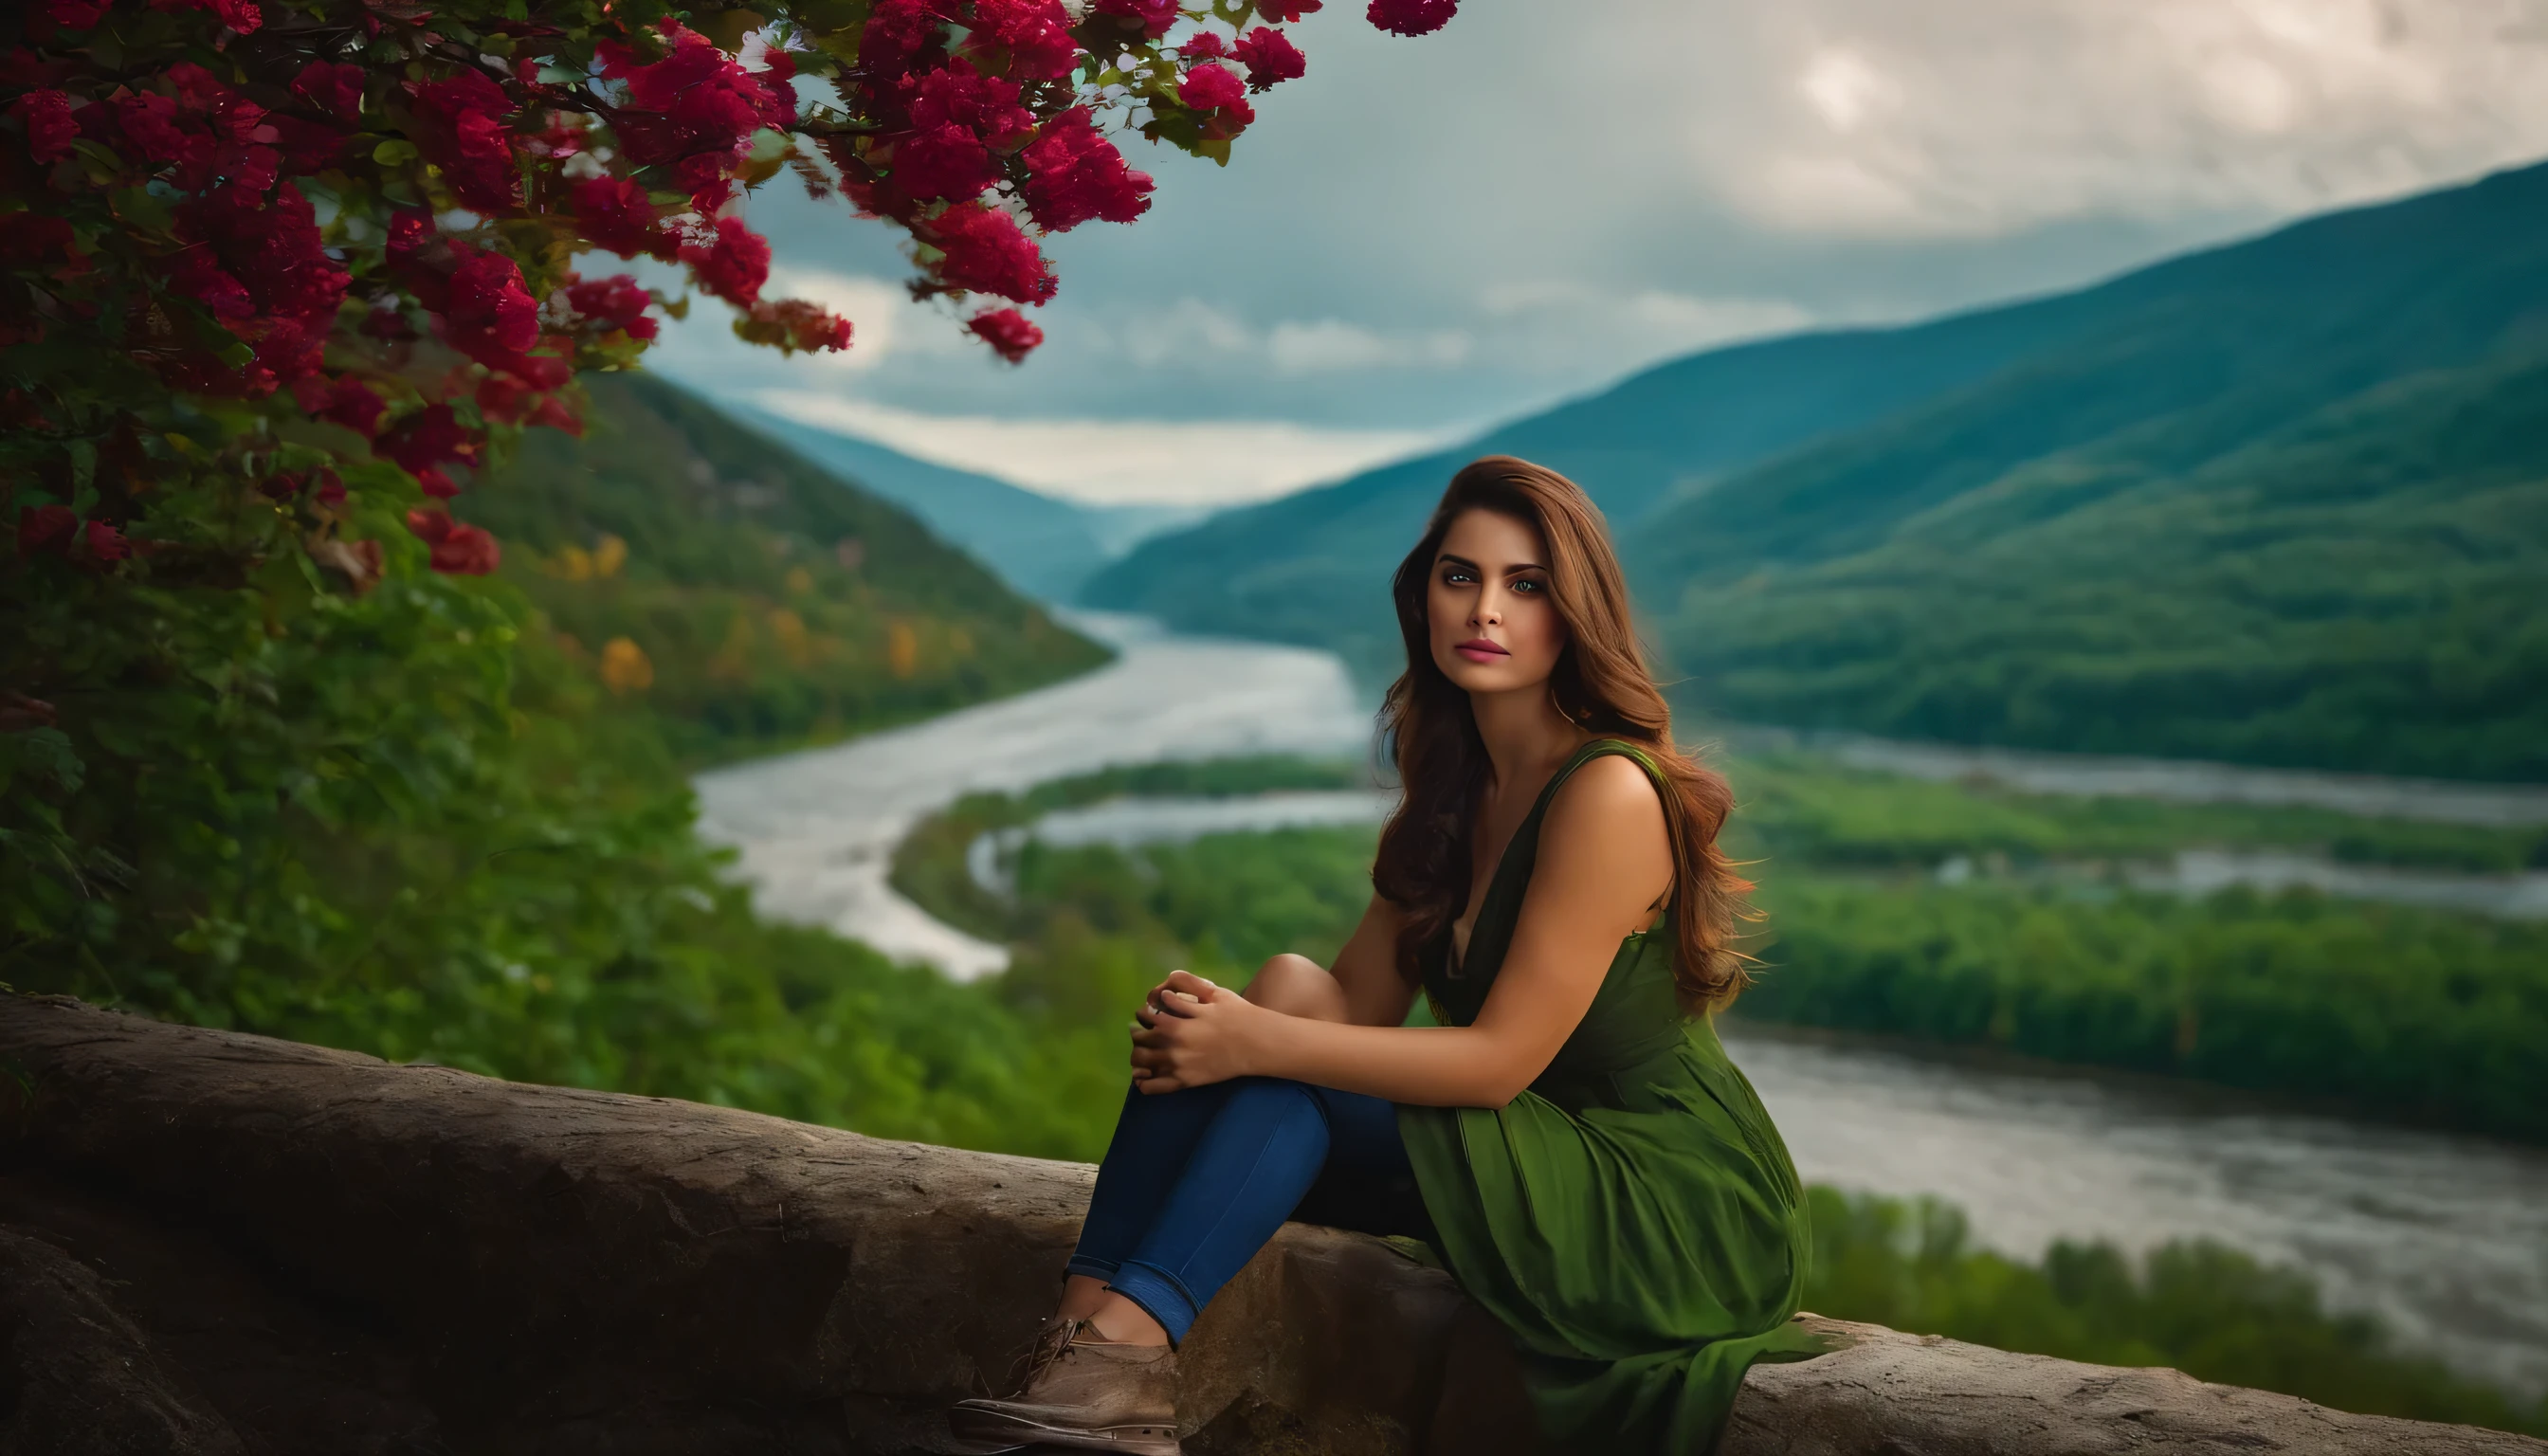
x: 1193, y: 1033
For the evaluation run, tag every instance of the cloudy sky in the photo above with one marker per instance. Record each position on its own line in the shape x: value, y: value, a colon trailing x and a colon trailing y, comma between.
x: 1427, y: 236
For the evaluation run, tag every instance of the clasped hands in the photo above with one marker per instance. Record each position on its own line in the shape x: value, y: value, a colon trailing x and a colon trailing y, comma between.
x: 1191, y: 1032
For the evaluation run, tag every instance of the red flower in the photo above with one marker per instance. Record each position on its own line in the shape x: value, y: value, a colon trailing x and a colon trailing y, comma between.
x: 733, y: 265
x: 943, y: 162
x: 695, y: 100
x: 461, y: 126
x: 335, y: 87
x: 46, y: 116
x: 1074, y: 174
x: 490, y: 316
x: 421, y: 260
x: 200, y: 91
x: 1410, y: 17
x: 552, y: 413
x: 44, y: 529
x: 986, y: 252
x: 1036, y: 34
x: 614, y: 213
x: 1211, y: 87
x: 504, y: 399
x: 346, y: 401
x: 149, y: 121
x: 1270, y: 57
x: 1287, y: 11
x: 425, y: 439
x: 78, y: 15
x: 459, y: 549
x: 795, y: 324
x: 1154, y: 17
x: 106, y: 543
x: 1215, y: 90
x: 239, y: 15
x: 899, y: 35
x: 332, y: 490
x: 616, y: 301
x: 957, y: 95
x: 1008, y: 331
x: 1206, y: 46
x: 261, y: 264
x: 197, y: 273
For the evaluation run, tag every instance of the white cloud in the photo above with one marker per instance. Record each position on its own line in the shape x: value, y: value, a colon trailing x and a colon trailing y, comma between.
x: 1331, y: 344
x: 1844, y: 89
x: 1114, y: 462
x: 1568, y: 324
x: 1977, y: 117
x: 1189, y: 332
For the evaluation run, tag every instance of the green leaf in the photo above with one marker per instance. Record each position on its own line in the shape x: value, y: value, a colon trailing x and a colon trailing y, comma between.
x: 45, y: 753
x: 396, y: 151
x: 136, y: 208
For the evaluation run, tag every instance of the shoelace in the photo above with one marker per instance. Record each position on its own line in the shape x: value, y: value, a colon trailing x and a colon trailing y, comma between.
x: 1052, y: 1343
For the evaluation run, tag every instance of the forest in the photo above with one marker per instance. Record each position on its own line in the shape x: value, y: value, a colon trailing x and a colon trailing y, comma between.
x: 447, y: 816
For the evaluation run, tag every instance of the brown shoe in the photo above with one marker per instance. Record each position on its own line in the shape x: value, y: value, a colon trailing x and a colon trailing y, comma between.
x: 1083, y: 1395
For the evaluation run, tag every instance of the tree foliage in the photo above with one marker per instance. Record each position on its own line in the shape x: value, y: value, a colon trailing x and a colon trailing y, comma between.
x: 277, y: 277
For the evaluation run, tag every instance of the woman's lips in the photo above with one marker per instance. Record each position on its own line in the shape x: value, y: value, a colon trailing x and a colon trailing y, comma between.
x: 1480, y: 650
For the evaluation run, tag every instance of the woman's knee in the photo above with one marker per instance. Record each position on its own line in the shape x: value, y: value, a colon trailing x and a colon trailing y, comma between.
x: 1297, y: 986
x: 1284, y: 972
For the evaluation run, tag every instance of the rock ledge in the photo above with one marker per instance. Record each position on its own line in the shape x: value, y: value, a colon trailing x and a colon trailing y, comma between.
x: 221, y: 1243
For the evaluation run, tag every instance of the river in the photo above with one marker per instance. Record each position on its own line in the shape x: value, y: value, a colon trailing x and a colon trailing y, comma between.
x: 2445, y: 1238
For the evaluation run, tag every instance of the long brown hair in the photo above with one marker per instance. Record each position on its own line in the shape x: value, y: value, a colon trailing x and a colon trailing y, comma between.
x: 1600, y: 683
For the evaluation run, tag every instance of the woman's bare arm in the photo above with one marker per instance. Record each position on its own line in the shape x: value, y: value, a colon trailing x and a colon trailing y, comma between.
x: 1605, y: 860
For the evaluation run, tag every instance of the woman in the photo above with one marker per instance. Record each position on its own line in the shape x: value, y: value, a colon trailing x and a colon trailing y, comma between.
x: 1570, y: 1137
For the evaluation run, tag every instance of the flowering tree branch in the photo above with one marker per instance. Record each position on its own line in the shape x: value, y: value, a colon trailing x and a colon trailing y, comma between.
x: 253, y: 249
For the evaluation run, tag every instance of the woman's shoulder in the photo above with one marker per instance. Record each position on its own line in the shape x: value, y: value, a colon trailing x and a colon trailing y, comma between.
x: 1604, y: 836
x: 1611, y: 792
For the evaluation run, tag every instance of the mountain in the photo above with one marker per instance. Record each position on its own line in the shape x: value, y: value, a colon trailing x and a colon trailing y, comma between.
x: 1044, y: 546
x: 2278, y: 502
x: 772, y: 601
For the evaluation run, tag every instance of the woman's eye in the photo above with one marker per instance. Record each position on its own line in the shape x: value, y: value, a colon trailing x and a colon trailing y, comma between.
x: 1454, y: 577
x: 1526, y: 585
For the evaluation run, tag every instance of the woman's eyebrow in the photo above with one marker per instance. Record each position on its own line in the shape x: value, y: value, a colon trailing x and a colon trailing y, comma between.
x: 1514, y: 570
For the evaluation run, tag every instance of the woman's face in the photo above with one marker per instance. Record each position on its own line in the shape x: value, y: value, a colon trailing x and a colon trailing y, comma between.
x: 1494, y: 625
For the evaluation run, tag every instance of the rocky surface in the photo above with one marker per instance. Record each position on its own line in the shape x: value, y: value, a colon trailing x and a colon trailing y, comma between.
x: 221, y: 1243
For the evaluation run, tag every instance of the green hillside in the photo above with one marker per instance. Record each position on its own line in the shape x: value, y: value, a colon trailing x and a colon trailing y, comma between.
x: 2366, y: 587
x: 1039, y: 544
x: 773, y: 603
x: 2276, y: 502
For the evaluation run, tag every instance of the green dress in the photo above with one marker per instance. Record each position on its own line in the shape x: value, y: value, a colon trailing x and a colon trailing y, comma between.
x: 1633, y: 1217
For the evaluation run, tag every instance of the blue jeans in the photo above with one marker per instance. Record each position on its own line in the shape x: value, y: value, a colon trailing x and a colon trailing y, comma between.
x: 1196, y: 1181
